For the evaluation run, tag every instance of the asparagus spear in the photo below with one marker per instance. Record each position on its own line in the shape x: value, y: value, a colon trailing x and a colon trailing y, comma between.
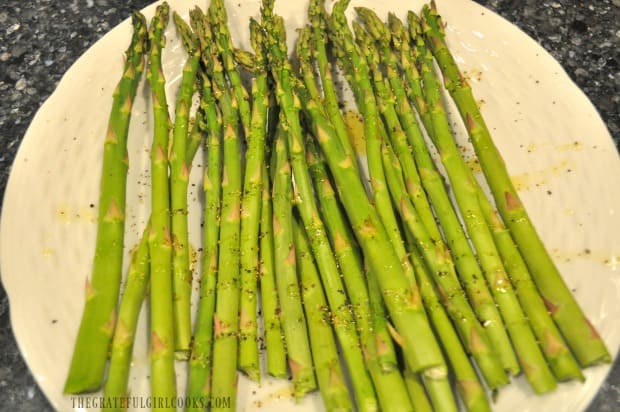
x: 225, y: 317
x: 270, y: 307
x: 530, y: 356
x: 467, y: 383
x: 402, y: 304
x: 250, y: 209
x: 467, y: 266
x: 226, y: 314
x: 458, y: 306
x: 163, y: 379
x: 122, y: 344
x: 97, y: 324
x: 221, y: 32
x: 376, y: 343
x: 581, y: 335
x: 420, y: 347
x: 317, y: 16
x: 276, y: 352
x: 200, y: 362
x: 179, y: 180
x: 326, y: 361
x: 307, y: 207
x: 385, y: 102
x: 306, y: 67
x: 348, y: 259
x: 417, y: 394
x: 292, y: 316
x: 337, y: 227
x: 561, y: 361
x: 480, y: 297
x: 563, y: 367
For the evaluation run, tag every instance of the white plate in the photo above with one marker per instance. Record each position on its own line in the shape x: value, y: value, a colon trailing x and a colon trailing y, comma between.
x: 553, y: 141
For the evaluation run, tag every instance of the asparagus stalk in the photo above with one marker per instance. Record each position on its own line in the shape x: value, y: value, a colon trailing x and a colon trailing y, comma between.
x: 391, y: 268
x: 458, y: 306
x: 99, y: 316
x: 226, y: 314
x: 467, y: 383
x: 221, y: 32
x: 416, y: 391
x: 326, y: 361
x: 179, y: 180
x: 270, y: 305
x: 531, y: 358
x: 138, y: 275
x: 225, y: 318
x: 563, y: 368
x: 350, y: 263
x: 402, y: 304
x: 250, y: 209
x: 469, y: 270
x: 317, y: 16
x: 466, y: 264
x: 200, y: 362
x: 163, y: 378
x: 306, y: 204
x: 359, y: 74
x: 440, y: 266
x: 292, y: 316
x: 121, y: 349
x: 376, y: 343
x: 337, y: 227
x: 581, y: 335
x: 436, y: 387
x: 557, y: 353
x: 413, y: 83
x: 380, y: 328
x: 385, y: 102
x: 306, y: 67
x: 276, y: 352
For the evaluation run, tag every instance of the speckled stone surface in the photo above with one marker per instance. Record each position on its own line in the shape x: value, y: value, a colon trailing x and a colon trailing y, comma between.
x: 40, y: 39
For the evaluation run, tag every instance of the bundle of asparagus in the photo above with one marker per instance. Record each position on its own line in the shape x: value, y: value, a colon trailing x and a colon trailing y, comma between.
x: 374, y: 293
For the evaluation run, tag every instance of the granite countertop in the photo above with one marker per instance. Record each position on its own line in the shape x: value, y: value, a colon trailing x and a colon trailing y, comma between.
x: 40, y: 39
